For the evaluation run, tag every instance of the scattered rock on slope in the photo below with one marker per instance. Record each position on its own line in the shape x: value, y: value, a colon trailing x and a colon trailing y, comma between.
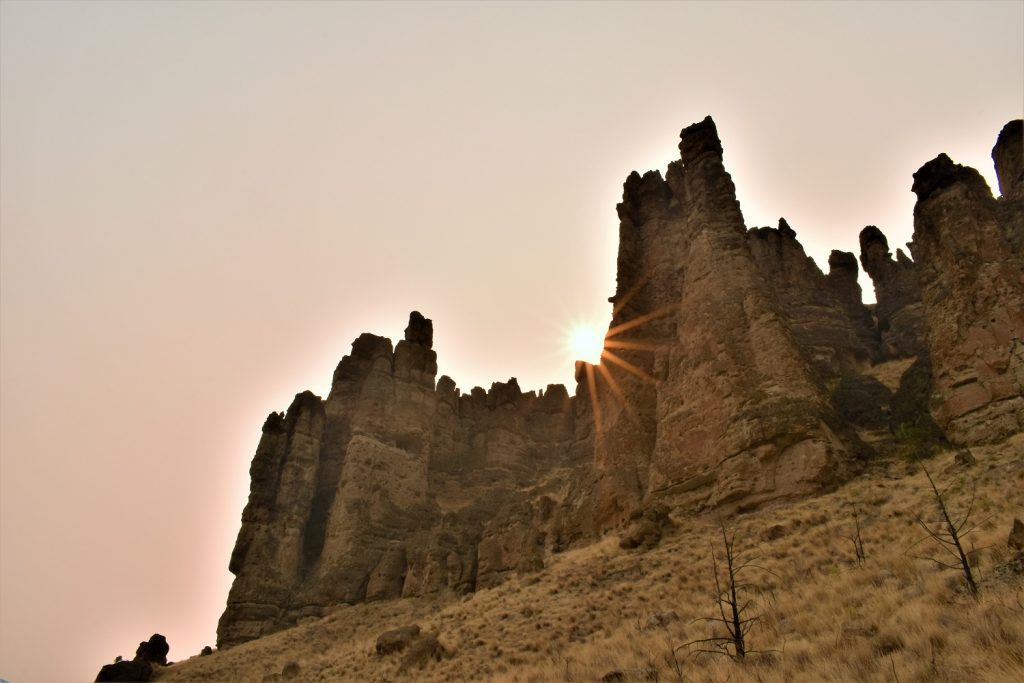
x: 397, y: 639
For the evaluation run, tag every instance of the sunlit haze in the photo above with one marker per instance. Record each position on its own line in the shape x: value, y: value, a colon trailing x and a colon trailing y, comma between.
x: 203, y: 204
x: 586, y: 342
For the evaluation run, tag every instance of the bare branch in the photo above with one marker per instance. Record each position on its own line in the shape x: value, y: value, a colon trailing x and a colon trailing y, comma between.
x: 948, y: 534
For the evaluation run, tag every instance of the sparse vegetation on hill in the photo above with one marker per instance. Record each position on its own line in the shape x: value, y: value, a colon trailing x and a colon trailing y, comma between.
x: 607, y: 613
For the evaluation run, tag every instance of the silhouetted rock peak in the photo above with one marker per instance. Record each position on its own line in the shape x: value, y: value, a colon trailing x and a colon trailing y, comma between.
x: 154, y: 650
x: 941, y: 173
x: 279, y: 423
x: 420, y: 330
x: 1008, y: 156
x: 643, y: 197
x: 873, y: 240
x: 369, y: 346
x: 139, y: 669
x: 699, y: 140
x: 898, y: 295
x: 784, y: 228
x: 843, y: 264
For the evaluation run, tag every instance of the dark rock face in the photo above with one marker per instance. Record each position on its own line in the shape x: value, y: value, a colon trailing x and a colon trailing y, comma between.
x: 133, y: 672
x: 149, y: 652
x: 910, y: 405
x: 1008, y: 155
x: 863, y: 402
x: 824, y: 313
x: 898, y: 295
x: 970, y: 268
x: 154, y: 650
x: 734, y: 373
x: 842, y: 280
x: 393, y: 486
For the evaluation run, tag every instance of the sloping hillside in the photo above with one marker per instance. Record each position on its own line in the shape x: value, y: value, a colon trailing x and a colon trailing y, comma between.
x: 601, y: 609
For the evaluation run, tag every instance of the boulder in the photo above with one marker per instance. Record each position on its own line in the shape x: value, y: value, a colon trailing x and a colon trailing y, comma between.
x: 396, y: 640
x: 964, y: 459
x: 154, y: 650
x: 646, y: 530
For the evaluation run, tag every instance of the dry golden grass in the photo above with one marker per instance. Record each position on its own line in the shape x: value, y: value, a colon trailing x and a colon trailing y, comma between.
x: 600, y: 609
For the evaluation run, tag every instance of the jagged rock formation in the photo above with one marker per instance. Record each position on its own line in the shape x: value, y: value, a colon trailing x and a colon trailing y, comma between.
x: 393, y: 486
x: 897, y: 293
x: 972, y: 285
x: 734, y: 372
x: 739, y: 413
x: 826, y: 313
x: 1008, y: 156
x: 149, y: 653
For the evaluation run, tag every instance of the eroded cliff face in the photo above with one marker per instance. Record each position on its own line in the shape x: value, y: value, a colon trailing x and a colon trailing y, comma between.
x: 898, y: 306
x: 731, y: 405
x: 971, y: 270
x: 735, y: 372
x: 396, y: 486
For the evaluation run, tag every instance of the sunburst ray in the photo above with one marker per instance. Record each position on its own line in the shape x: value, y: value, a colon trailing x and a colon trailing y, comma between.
x: 634, y: 344
x: 628, y: 367
x: 636, y: 322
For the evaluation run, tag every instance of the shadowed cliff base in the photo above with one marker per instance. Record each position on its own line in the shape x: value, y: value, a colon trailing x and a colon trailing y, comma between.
x: 735, y: 373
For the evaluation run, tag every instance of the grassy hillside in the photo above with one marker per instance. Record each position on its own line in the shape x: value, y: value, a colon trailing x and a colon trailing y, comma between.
x: 823, y: 617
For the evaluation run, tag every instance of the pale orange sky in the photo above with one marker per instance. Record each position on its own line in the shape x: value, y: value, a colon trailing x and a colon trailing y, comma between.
x: 202, y: 205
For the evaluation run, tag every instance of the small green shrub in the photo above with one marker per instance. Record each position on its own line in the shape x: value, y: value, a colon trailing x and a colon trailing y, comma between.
x: 914, y: 442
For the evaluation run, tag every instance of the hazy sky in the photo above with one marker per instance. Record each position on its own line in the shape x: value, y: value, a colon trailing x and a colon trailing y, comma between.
x: 203, y: 204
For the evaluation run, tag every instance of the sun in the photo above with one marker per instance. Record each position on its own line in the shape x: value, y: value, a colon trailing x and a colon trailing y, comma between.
x: 586, y: 343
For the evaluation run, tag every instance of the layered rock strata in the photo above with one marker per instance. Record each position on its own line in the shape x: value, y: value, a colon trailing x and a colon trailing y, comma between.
x: 734, y: 372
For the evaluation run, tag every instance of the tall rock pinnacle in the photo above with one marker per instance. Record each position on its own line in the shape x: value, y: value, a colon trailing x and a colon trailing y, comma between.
x: 968, y: 246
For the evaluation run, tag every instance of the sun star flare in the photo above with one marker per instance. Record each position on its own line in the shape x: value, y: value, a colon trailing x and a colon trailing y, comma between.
x: 586, y: 343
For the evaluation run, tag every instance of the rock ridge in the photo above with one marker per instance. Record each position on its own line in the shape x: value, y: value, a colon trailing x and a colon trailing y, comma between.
x: 734, y: 372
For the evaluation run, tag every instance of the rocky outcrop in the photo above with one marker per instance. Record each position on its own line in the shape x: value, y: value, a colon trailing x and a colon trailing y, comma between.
x: 392, y: 486
x: 826, y: 314
x: 1008, y: 156
x: 149, y: 653
x: 734, y: 372
x: 154, y: 650
x: 706, y: 395
x: 396, y: 639
x: 972, y: 285
x: 910, y: 406
x: 898, y: 306
x: 842, y: 281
